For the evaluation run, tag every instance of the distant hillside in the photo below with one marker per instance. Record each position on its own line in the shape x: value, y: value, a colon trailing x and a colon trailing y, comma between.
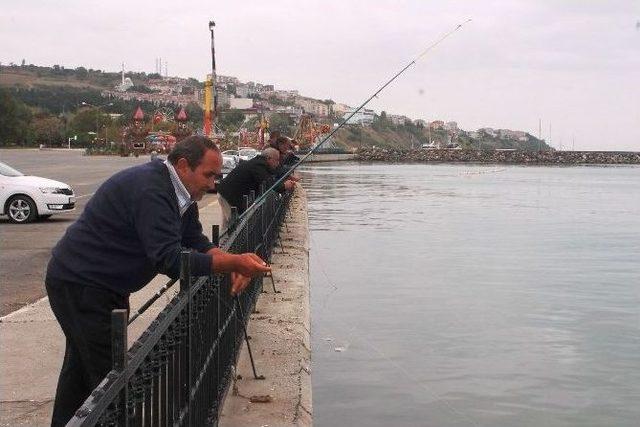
x: 409, y: 135
x: 57, y: 90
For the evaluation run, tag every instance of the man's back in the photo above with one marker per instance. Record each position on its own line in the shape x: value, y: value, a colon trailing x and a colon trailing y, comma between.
x: 129, y: 231
x: 245, y: 177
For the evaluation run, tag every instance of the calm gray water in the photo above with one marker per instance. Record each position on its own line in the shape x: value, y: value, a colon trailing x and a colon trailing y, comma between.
x: 456, y: 295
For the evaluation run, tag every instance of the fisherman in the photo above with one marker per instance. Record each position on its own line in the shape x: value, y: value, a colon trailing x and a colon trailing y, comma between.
x: 273, y: 136
x: 248, y: 176
x: 285, y: 147
x: 134, y: 227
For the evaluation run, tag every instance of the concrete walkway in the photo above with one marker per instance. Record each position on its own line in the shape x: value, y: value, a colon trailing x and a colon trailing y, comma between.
x: 280, y: 331
x: 32, y: 344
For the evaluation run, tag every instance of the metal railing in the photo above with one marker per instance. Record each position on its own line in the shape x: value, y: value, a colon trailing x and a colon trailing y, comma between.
x: 178, y: 372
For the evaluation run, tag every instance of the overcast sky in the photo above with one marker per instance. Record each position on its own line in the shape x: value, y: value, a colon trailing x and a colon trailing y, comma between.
x: 574, y: 64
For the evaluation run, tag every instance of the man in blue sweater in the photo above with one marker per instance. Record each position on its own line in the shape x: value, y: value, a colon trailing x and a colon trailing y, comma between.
x: 134, y: 227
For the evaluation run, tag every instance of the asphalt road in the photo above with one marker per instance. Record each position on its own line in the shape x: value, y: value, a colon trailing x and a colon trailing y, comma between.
x: 25, y: 249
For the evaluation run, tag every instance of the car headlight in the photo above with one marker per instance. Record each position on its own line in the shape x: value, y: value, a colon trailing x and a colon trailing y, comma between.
x: 55, y: 190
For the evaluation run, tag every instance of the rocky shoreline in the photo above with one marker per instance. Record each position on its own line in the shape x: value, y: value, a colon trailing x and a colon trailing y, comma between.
x: 509, y: 157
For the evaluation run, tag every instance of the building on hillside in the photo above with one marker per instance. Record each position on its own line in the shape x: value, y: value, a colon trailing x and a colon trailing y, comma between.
x: 240, y: 103
x: 242, y: 91
x: 292, y: 111
x: 363, y: 117
x: 227, y: 80
x: 489, y: 131
x: 436, y: 125
x: 340, y: 109
x: 312, y: 106
x: 224, y: 99
x: 398, y: 119
x: 451, y: 126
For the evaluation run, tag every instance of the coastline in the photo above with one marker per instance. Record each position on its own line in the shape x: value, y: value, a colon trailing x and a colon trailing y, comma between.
x: 559, y: 158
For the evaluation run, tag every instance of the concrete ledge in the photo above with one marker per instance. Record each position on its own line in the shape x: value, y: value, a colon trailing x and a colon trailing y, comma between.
x: 281, y: 338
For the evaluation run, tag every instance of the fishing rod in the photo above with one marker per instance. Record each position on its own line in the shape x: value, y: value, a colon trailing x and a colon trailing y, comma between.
x: 345, y: 121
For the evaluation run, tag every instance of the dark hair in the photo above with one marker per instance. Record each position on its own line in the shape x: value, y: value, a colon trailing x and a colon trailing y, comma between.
x: 275, y: 134
x: 281, y: 140
x: 192, y: 149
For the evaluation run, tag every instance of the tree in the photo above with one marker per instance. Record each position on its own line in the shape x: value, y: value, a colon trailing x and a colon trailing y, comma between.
x: 230, y: 120
x: 46, y: 129
x: 14, y: 119
x: 282, y: 123
x: 81, y: 73
x: 89, y: 120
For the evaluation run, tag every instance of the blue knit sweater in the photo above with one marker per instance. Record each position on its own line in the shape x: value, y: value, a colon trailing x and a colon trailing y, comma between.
x: 130, y: 231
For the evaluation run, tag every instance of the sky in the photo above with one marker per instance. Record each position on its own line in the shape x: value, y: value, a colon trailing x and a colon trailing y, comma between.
x: 573, y: 64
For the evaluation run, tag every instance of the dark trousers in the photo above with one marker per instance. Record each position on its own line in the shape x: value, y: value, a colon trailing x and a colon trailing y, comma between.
x: 84, y: 313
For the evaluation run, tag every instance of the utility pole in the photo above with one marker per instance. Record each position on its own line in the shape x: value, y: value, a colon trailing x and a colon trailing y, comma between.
x: 214, y: 105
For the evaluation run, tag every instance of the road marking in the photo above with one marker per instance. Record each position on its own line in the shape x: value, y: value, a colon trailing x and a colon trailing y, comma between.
x: 85, y: 195
x: 23, y: 309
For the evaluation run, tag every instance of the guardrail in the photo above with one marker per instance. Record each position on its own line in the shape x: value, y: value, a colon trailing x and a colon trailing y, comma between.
x: 178, y: 372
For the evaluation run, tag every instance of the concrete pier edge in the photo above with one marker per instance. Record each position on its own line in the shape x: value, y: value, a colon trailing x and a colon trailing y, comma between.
x: 281, y: 338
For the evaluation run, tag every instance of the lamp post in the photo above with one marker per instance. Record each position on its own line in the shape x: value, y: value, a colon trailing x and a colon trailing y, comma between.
x: 75, y: 138
x: 214, y: 104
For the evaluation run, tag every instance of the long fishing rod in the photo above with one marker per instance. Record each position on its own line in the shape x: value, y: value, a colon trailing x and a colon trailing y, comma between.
x: 345, y: 121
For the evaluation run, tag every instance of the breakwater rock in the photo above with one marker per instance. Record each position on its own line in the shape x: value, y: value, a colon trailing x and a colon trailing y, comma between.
x: 511, y: 157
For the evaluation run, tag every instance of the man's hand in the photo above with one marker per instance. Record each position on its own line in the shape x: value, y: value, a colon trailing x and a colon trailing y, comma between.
x: 239, y: 283
x: 247, y: 264
x: 289, y: 184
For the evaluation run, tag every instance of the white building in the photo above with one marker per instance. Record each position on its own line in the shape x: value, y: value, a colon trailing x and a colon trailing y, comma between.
x: 363, y: 117
x: 240, y: 103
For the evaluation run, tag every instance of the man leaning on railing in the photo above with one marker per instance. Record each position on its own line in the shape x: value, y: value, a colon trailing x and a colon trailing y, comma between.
x: 133, y: 228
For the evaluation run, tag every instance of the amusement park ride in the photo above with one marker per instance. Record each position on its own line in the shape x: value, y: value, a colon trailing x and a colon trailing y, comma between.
x: 141, y: 138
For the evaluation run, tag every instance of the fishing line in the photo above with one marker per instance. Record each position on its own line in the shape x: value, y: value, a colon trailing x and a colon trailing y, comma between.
x: 261, y: 198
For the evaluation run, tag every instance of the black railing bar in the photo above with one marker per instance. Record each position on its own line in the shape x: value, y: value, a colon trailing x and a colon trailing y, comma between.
x: 138, y: 353
x: 144, y: 307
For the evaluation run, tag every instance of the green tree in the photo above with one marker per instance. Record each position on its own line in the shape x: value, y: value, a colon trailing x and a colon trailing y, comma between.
x: 230, y: 120
x: 282, y: 123
x: 46, y: 129
x: 89, y: 120
x: 14, y: 120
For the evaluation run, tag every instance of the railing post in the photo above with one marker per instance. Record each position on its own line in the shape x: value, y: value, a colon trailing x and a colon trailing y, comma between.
x: 185, y: 288
x: 234, y: 217
x: 119, y: 359
x: 215, y: 234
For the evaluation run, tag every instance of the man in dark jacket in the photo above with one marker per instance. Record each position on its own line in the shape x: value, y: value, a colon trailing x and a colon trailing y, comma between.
x: 248, y: 176
x: 134, y: 227
x: 285, y: 147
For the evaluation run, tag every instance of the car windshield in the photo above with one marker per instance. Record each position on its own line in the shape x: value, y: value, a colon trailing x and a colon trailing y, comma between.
x: 248, y: 152
x: 230, y: 153
x: 7, y: 170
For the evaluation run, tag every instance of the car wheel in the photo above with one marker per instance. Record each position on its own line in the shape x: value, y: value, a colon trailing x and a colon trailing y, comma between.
x: 44, y: 216
x: 22, y: 209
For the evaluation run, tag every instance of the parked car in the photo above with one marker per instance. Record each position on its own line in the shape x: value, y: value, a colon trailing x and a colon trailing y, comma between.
x: 228, y: 163
x: 247, y: 153
x: 26, y: 198
x: 232, y: 153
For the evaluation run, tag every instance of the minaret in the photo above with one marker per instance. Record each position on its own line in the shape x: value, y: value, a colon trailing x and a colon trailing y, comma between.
x: 123, y: 74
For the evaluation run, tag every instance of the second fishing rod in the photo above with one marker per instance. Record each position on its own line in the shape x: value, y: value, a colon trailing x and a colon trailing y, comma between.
x: 259, y: 199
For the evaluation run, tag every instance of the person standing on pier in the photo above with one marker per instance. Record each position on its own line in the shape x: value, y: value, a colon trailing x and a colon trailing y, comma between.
x: 134, y: 227
x: 247, y: 177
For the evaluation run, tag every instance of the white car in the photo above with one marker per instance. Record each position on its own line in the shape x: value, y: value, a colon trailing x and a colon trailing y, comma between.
x: 25, y: 198
x: 228, y: 163
x: 247, y: 153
